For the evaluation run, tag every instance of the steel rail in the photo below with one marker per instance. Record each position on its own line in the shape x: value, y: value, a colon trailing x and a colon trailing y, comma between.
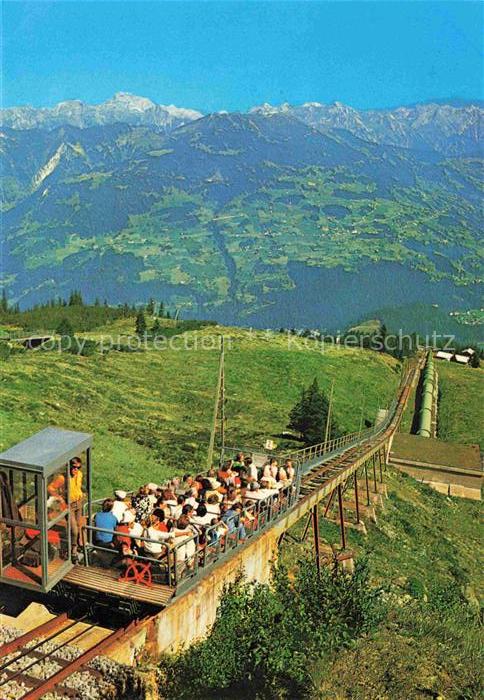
x: 42, y: 657
x: 35, y: 633
x: 76, y: 664
x: 42, y: 629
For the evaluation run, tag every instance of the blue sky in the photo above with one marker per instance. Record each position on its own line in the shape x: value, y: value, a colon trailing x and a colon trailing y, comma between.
x: 233, y: 55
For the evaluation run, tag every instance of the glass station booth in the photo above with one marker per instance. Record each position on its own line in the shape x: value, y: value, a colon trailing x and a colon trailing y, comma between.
x: 35, y: 514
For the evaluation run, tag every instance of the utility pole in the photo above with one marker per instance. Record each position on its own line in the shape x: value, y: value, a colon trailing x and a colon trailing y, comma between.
x: 315, y: 521
x: 218, y: 408
x: 361, y: 418
x: 328, y: 417
x: 222, y: 398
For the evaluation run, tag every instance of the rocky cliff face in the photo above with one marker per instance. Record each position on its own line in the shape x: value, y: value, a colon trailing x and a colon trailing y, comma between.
x: 451, y: 129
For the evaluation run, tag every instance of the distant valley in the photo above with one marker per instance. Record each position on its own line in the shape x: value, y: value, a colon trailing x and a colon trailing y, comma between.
x: 284, y: 216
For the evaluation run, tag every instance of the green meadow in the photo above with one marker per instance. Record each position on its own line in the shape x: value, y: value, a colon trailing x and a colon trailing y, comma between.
x: 150, y: 411
x: 461, y: 414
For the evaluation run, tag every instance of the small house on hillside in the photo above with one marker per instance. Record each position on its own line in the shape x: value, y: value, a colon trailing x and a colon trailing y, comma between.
x: 461, y: 359
x: 468, y: 351
x: 441, y: 355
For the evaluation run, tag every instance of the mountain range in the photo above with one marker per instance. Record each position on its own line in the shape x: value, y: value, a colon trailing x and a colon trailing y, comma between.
x: 123, y: 107
x: 452, y: 127
x: 306, y: 215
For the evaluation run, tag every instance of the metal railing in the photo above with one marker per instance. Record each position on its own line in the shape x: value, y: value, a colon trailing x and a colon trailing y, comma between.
x: 93, y: 547
x: 180, y: 561
x: 176, y: 561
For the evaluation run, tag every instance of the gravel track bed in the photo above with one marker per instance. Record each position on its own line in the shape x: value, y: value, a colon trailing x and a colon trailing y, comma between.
x: 7, y: 634
x: 115, y: 676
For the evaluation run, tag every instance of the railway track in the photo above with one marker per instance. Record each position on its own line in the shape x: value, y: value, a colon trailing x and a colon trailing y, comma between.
x: 39, y: 662
x: 332, y: 469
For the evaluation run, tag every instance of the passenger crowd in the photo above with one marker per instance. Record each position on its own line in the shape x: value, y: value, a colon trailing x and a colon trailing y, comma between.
x: 212, y: 506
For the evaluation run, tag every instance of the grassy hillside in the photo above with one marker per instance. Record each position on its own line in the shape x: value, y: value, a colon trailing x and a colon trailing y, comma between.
x: 150, y: 411
x: 423, y: 552
x: 461, y: 413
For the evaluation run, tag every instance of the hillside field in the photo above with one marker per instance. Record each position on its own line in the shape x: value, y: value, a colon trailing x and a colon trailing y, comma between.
x: 461, y: 413
x: 150, y: 412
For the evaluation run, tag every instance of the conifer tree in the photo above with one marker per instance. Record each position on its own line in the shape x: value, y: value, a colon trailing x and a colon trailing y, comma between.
x: 65, y: 328
x: 378, y: 339
x: 475, y: 361
x: 150, y: 307
x: 75, y: 298
x: 161, y: 310
x: 297, y: 416
x: 140, y: 328
x: 4, y: 301
x: 156, y: 328
x: 383, y: 333
x: 309, y: 415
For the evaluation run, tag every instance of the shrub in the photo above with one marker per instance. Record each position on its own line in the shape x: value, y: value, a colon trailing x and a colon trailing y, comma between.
x: 416, y: 588
x: 73, y: 345
x: 8, y: 349
x: 86, y: 348
x: 123, y: 347
x: 5, y: 351
x: 264, y: 635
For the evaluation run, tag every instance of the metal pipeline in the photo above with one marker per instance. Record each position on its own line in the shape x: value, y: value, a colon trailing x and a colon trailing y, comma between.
x: 429, y: 386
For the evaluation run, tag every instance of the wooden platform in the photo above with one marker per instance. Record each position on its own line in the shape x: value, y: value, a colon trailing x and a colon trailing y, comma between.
x: 106, y: 581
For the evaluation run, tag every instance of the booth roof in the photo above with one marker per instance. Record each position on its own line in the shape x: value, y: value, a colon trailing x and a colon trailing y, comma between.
x: 47, y: 450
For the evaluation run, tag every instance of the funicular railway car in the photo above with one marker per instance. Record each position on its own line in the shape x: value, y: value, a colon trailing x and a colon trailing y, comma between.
x: 41, y: 552
x: 35, y: 529
x: 37, y: 533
